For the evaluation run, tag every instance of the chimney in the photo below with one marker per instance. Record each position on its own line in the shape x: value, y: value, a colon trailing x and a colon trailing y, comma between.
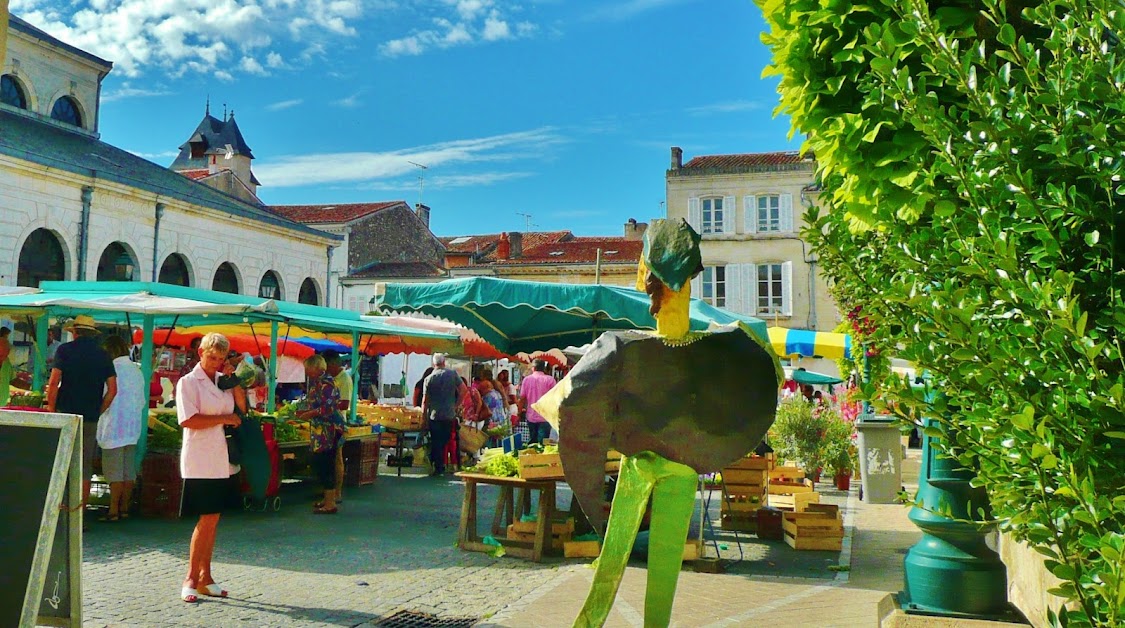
x: 516, y: 240
x: 677, y: 158
x: 635, y: 231
x: 504, y: 247
x: 423, y: 212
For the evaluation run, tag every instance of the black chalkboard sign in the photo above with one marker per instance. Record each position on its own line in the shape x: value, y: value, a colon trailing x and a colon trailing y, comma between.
x: 40, y: 455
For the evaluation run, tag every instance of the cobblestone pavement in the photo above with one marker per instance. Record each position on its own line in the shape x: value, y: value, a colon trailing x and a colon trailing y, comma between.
x: 390, y: 548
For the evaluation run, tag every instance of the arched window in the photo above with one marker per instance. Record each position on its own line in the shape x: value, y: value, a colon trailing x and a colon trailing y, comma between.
x: 66, y: 110
x: 117, y: 264
x: 308, y: 293
x: 226, y: 279
x: 11, y: 93
x: 270, y: 287
x: 174, y: 271
x: 41, y: 259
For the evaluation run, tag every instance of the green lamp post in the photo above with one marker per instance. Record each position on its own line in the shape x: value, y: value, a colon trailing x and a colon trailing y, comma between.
x: 951, y: 571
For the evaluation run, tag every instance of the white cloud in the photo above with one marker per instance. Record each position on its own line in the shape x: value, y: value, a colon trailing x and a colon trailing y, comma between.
x: 274, y: 60
x: 284, y: 104
x: 349, y: 102
x: 627, y: 9
x: 167, y: 154
x: 730, y: 106
x: 250, y: 65
x: 192, y: 35
x: 460, y: 23
x: 383, y: 168
x: 127, y: 91
x: 445, y: 182
x: 224, y: 76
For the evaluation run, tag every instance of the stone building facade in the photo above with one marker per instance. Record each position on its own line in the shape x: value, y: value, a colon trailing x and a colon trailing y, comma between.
x: 74, y: 207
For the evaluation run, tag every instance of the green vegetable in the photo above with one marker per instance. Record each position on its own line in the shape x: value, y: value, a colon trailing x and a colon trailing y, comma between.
x: 498, y: 464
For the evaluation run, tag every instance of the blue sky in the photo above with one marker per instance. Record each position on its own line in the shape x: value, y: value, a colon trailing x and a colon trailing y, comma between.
x: 562, y: 109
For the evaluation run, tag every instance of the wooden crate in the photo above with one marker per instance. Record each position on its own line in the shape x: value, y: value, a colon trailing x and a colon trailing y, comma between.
x: 786, y: 473
x: 797, y: 502
x: 558, y: 541
x: 759, y: 463
x: 740, y: 521
x: 613, y: 462
x: 582, y: 549
x: 782, y: 487
x: 557, y: 527
x: 814, y: 530
x: 541, y: 467
x: 692, y: 550
x: 743, y: 502
x: 751, y: 477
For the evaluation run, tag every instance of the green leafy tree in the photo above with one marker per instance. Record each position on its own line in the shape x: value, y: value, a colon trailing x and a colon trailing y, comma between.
x: 971, y: 156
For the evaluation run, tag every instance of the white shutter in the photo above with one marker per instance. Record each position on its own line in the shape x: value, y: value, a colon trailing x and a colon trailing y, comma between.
x: 750, y: 204
x: 734, y: 288
x: 697, y: 286
x: 695, y: 214
x: 749, y: 281
x: 787, y: 289
x: 787, y: 213
x: 730, y: 212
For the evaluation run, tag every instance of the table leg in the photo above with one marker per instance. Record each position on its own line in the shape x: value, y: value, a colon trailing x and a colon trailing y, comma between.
x: 468, y: 528
x: 503, y: 505
x: 398, y: 451
x: 544, y: 523
x: 524, y: 507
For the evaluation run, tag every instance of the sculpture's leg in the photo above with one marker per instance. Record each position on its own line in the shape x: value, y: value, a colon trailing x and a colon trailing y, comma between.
x: 634, y: 485
x: 673, y: 501
x: 673, y: 488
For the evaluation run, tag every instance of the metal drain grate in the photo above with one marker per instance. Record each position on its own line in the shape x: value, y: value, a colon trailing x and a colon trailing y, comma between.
x: 412, y: 619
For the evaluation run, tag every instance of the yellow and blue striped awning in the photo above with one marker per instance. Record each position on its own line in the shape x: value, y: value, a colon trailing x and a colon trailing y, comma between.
x: 806, y: 342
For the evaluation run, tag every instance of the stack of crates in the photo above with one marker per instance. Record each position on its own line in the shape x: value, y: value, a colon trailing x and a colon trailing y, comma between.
x: 789, y: 490
x: 744, y: 492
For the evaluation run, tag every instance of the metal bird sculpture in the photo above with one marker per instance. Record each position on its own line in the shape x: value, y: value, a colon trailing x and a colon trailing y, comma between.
x: 675, y: 403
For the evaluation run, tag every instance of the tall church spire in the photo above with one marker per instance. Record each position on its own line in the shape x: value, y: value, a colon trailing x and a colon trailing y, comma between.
x: 207, y: 111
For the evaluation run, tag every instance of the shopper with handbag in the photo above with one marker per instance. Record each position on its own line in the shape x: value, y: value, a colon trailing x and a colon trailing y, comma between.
x: 203, y: 410
x: 326, y: 429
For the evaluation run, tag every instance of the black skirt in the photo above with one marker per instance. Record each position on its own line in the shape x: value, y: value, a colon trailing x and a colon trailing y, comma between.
x: 205, y: 496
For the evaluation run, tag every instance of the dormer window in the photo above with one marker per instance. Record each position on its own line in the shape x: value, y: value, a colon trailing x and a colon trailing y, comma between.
x: 11, y: 93
x: 66, y: 110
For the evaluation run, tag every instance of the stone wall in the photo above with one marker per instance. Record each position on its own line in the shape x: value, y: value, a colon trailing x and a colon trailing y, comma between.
x: 46, y: 73
x: 32, y: 197
x: 392, y: 235
x: 1028, y: 581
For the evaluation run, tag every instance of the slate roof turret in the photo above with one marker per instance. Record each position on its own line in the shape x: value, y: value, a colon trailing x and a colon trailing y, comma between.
x: 212, y: 135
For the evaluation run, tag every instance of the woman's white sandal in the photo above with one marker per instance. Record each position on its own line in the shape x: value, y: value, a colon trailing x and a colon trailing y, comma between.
x: 189, y: 595
x: 208, y: 588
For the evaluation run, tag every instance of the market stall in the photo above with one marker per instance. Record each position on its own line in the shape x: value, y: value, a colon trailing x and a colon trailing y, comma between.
x: 128, y: 305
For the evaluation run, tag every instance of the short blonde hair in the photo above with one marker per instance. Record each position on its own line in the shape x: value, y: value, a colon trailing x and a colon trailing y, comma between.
x: 316, y: 362
x: 215, y: 342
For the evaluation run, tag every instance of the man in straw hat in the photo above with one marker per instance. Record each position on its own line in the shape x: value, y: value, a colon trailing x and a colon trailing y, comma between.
x: 83, y: 382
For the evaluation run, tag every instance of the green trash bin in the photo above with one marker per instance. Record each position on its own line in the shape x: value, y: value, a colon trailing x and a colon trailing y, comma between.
x: 880, y: 458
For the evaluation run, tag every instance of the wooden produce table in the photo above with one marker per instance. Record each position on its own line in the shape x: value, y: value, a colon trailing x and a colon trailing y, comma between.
x: 468, y: 538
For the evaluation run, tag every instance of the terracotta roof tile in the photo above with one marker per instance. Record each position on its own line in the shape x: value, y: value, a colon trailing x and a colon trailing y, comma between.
x: 748, y: 160
x: 581, y: 250
x: 486, y: 244
x: 196, y: 175
x: 339, y: 212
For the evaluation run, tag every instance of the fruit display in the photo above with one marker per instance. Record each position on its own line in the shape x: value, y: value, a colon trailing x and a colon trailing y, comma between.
x: 394, y: 417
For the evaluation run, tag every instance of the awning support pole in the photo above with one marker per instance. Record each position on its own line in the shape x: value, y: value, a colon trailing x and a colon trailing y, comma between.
x: 41, y: 327
x: 146, y: 371
x: 271, y: 393
x: 355, y: 377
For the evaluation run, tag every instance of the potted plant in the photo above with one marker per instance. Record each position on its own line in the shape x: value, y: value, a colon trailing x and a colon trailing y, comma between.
x: 797, y: 432
x: 838, y: 448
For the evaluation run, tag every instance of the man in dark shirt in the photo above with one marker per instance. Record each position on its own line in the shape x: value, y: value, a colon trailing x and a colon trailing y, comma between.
x: 441, y: 394
x: 83, y: 382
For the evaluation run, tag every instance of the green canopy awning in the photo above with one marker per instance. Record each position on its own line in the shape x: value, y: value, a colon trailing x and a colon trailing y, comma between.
x: 526, y: 316
x: 811, y: 377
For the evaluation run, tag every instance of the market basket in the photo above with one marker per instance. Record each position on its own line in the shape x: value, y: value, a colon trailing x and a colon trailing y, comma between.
x: 471, y: 438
